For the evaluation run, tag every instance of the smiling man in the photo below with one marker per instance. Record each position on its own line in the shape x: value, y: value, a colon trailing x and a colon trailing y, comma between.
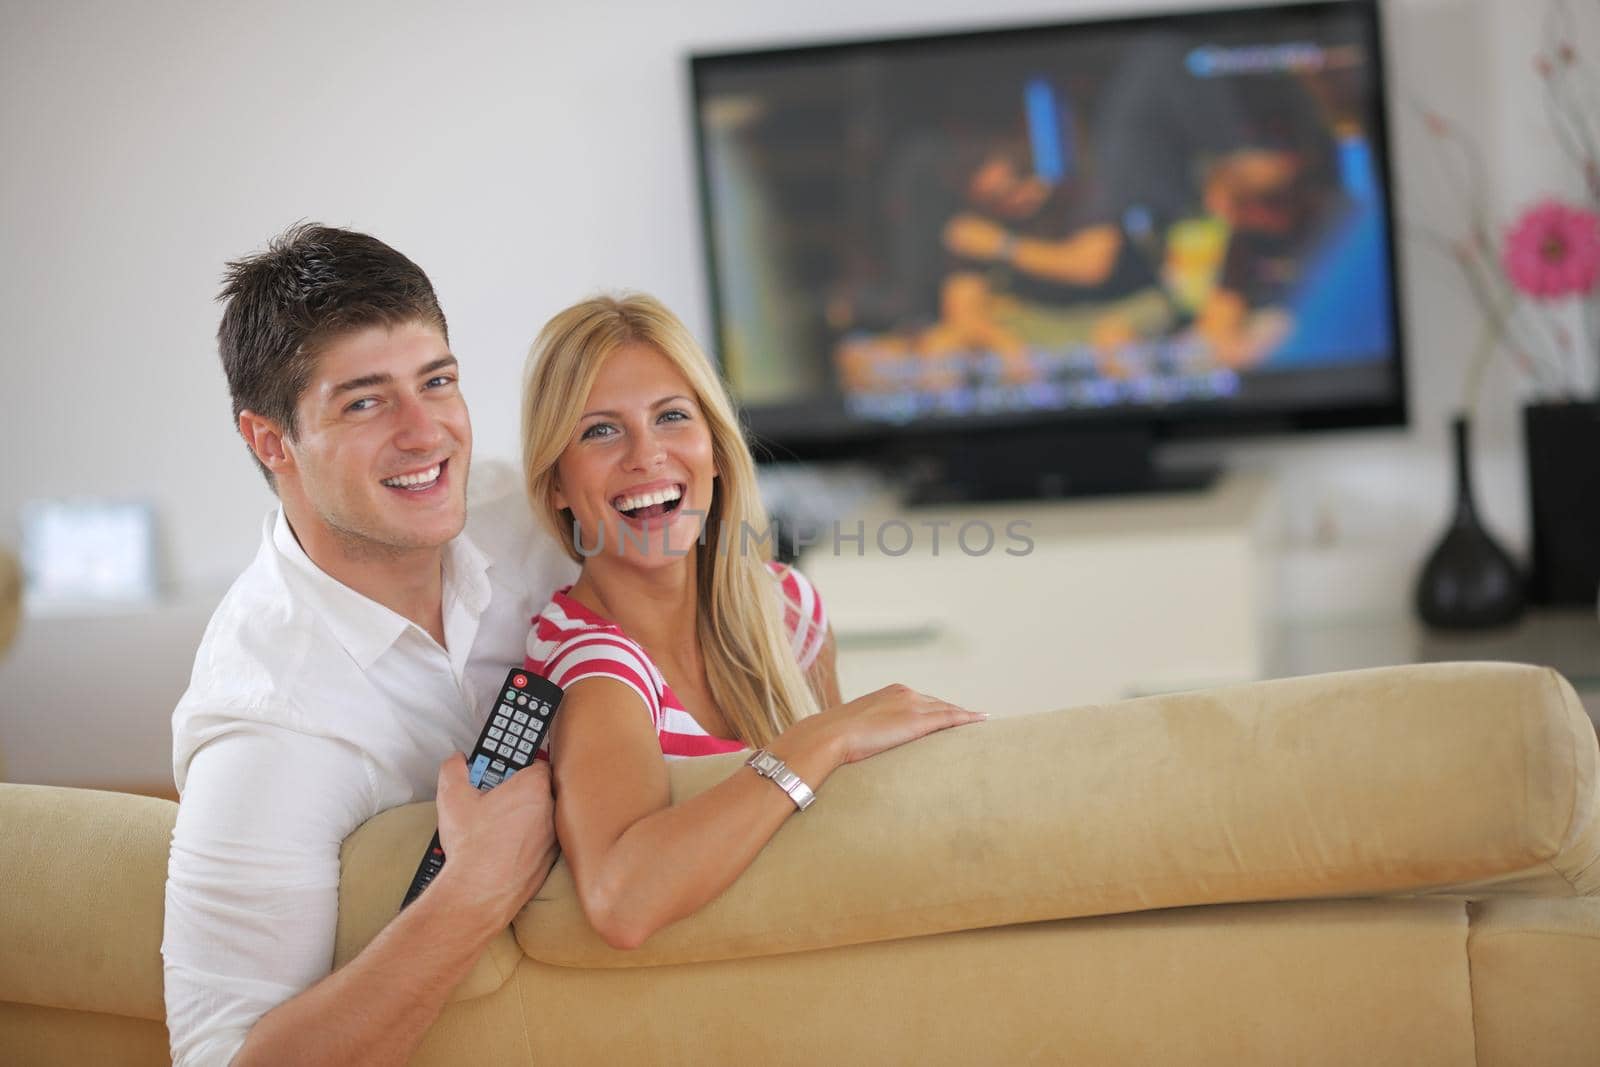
x: 357, y: 651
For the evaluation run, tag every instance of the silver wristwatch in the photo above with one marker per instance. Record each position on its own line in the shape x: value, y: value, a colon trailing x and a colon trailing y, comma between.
x: 769, y: 766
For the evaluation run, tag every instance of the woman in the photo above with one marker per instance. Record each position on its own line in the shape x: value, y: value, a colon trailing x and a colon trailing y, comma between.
x: 679, y: 637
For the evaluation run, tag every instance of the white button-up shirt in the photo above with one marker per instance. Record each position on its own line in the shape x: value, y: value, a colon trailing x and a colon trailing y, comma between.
x: 310, y: 710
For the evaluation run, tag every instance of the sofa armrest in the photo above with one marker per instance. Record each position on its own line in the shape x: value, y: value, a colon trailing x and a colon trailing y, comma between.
x: 375, y: 870
x: 82, y: 893
x: 1397, y: 780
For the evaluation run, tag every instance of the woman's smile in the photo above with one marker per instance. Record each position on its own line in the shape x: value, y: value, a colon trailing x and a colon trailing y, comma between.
x: 651, y: 509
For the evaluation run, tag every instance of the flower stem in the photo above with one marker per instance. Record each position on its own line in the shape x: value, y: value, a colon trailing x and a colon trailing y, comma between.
x: 1489, y: 338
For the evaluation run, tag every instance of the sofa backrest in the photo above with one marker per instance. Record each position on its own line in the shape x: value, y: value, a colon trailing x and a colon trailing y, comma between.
x: 1467, y: 778
x: 83, y: 883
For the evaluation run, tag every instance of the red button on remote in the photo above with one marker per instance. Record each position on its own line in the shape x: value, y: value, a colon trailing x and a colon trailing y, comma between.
x: 520, y: 680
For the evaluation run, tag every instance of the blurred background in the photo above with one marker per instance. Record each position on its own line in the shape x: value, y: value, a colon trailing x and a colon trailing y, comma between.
x: 527, y: 154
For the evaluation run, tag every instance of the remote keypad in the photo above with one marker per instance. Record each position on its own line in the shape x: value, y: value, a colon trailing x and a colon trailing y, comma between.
x: 509, y: 742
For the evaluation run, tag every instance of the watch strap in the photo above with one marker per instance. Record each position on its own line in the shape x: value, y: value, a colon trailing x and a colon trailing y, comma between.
x: 776, y: 771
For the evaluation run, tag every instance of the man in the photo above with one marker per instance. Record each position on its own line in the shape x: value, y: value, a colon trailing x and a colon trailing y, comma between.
x: 359, y: 649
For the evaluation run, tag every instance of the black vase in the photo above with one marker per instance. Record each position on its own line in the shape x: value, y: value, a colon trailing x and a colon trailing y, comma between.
x: 1469, y: 581
x: 1563, y: 441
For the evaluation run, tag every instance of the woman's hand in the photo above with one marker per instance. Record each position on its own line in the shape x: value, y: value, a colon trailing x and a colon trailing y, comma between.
x: 872, y: 724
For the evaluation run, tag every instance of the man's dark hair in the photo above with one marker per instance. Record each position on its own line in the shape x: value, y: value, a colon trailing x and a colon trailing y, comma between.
x: 313, y: 285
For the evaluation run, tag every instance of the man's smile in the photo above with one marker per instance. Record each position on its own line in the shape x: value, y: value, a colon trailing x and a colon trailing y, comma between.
x: 418, y: 481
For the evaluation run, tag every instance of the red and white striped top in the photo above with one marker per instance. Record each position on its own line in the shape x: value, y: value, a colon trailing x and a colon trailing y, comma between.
x: 569, y: 642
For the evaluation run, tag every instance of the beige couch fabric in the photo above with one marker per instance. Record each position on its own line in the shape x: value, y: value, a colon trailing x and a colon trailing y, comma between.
x: 1536, y: 972
x: 31, y: 1036
x: 82, y: 892
x: 1309, y: 983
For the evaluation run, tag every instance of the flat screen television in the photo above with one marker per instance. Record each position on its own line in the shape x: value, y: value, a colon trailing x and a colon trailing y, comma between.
x: 1031, y: 253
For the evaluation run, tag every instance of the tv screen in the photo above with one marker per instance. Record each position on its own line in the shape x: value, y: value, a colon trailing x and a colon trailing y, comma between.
x: 1177, y: 221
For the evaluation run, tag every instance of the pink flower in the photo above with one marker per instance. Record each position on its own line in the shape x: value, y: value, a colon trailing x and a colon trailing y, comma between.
x: 1553, y: 251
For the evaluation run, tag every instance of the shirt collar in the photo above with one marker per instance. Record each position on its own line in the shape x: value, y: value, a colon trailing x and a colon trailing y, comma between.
x: 365, y: 628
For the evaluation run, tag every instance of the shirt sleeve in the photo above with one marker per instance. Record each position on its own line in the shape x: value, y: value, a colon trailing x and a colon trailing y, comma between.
x: 252, y: 896
x: 803, y: 615
x: 598, y: 654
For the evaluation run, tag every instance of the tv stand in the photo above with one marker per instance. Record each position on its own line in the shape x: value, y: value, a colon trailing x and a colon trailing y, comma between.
x: 1049, y: 464
x: 1107, y: 598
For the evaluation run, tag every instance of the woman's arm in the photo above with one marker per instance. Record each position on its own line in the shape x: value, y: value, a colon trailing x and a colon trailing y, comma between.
x: 641, y: 862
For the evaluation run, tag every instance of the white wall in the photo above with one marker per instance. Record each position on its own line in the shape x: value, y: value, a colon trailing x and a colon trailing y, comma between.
x: 525, y: 153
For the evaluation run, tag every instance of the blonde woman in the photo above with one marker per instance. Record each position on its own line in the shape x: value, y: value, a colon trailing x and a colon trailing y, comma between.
x: 680, y: 637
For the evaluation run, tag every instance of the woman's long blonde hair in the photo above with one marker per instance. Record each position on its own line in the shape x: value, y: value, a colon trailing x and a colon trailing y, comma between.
x: 750, y: 665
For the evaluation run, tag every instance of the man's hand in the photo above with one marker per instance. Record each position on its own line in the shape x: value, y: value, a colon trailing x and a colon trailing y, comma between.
x: 498, y: 845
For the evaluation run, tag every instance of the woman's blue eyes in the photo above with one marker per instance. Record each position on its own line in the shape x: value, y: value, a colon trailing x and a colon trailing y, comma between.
x: 607, y: 429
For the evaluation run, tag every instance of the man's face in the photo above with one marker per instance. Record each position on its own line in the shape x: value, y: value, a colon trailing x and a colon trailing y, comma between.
x: 379, y: 461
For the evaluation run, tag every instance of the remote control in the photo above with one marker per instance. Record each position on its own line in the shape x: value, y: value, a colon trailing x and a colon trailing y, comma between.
x: 523, y: 710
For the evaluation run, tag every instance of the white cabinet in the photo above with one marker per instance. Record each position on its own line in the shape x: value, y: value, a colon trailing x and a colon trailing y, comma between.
x: 1115, y: 598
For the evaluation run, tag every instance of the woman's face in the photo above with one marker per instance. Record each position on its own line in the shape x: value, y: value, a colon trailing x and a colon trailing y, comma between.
x: 638, y: 472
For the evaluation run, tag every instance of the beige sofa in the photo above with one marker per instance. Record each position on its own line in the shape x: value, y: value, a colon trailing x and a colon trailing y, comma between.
x: 1385, y: 867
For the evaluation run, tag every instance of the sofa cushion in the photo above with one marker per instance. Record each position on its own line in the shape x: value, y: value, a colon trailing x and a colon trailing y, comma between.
x: 1375, y: 983
x: 30, y: 1034
x: 1388, y: 781
x: 1535, y: 976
